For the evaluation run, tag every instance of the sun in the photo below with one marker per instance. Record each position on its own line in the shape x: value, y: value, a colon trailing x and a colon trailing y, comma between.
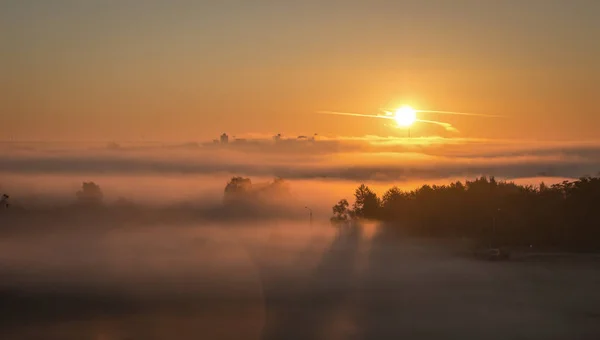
x: 405, y: 116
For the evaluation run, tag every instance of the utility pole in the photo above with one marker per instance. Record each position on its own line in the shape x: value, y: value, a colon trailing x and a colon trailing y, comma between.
x: 310, y: 216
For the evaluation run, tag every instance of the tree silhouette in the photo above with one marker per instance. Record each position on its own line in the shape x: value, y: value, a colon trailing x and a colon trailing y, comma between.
x: 341, y: 213
x: 366, y: 203
x: 237, y: 189
x: 563, y: 215
x: 278, y: 189
x: 240, y: 190
x: 90, y: 194
x: 4, y: 201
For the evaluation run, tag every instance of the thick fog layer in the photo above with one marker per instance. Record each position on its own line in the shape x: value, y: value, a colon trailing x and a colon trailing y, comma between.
x: 367, y: 159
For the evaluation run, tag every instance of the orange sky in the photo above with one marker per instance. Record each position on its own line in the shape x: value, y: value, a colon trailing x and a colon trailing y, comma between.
x: 158, y: 70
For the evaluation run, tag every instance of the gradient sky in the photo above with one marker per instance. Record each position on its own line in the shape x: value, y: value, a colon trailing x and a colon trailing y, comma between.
x: 189, y: 70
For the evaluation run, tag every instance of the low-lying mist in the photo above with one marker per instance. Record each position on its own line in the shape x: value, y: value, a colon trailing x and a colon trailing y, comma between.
x: 158, y: 258
x: 155, y: 242
x: 149, y: 281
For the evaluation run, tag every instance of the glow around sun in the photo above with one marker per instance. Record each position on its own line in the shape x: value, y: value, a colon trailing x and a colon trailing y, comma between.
x: 405, y: 116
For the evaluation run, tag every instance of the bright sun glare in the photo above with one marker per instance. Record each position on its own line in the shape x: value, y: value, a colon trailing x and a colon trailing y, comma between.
x: 405, y: 116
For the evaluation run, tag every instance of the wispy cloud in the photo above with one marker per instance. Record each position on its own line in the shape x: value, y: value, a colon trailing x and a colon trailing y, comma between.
x: 463, y: 113
x: 446, y: 126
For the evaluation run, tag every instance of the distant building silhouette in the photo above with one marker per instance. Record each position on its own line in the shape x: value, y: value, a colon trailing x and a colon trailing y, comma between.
x: 224, y: 138
x: 311, y: 138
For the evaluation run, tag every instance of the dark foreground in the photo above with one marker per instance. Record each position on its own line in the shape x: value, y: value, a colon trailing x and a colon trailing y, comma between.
x: 351, y: 286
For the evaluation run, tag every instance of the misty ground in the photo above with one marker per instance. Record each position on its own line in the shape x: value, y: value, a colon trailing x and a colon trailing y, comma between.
x: 284, y: 281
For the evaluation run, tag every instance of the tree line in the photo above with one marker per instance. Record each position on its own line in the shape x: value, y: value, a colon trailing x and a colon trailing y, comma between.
x: 238, y: 192
x: 563, y: 215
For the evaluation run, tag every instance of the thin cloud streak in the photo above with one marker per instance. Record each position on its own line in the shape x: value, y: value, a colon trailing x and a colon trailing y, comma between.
x: 485, y: 115
x: 446, y: 126
x: 462, y: 113
x: 390, y: 116
x: 354, y: 114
